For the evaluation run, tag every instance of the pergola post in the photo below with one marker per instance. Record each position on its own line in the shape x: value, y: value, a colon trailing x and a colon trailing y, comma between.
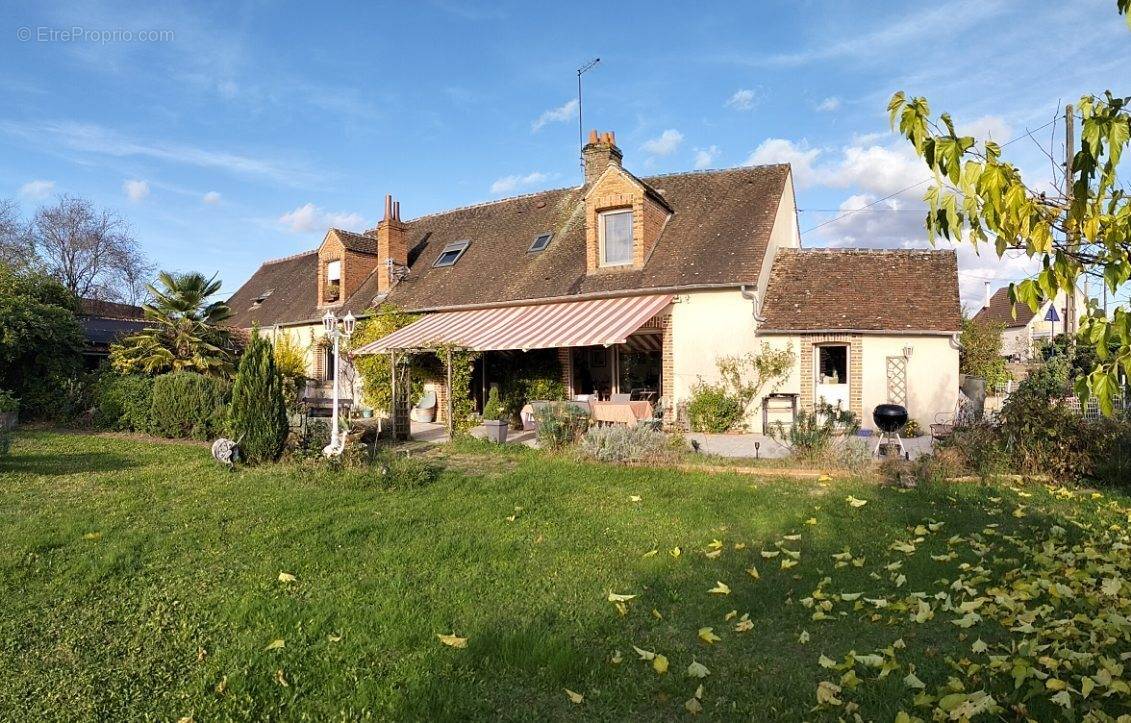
x: 393, y: 394
x: 451, y: 422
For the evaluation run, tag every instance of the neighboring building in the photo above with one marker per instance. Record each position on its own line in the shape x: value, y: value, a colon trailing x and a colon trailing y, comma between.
x: 103, y: 324
x: 639, y: 285
x: 1023, y: 326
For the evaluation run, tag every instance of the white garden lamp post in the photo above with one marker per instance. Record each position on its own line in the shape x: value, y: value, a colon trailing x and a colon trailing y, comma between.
x: 336, y: 329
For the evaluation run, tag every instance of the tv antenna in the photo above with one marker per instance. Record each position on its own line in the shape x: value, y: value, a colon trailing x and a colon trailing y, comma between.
x: 580, y: 127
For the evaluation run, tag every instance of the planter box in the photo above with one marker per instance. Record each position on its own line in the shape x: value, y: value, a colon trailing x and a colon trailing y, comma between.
x: 496, y: 430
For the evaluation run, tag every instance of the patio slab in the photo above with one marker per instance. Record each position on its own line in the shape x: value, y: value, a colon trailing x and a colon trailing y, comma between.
x: 760, y: 445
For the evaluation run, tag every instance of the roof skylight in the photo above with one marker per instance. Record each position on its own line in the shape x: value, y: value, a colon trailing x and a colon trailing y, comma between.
x: 540, y: 242
x: 451, y: 253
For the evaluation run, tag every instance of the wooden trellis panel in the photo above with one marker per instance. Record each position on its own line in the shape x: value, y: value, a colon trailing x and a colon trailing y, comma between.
x: 897, y: 380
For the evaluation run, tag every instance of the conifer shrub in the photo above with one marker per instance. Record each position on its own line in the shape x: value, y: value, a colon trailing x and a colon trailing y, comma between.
x: 258, y: 414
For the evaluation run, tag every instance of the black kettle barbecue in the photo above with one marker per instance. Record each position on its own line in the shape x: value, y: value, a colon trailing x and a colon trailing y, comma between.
x: 889, y: 419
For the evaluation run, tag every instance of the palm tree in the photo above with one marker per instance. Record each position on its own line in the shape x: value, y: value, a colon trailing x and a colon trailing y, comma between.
x: 185, y: 331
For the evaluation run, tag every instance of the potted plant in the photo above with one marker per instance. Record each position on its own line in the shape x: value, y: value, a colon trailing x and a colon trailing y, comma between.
x: 492, y: 411
x: 9, y: 410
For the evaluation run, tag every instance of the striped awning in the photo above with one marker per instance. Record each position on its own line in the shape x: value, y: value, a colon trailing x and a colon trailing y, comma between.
x: 538, y: 326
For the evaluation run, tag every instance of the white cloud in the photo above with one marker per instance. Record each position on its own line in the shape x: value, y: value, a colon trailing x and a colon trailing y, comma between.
x: 211, y: 198
x: 507, y: 184
x: 872, y: 168
x: 780, y: 150
x: 829, y: 104
x: 744, y: 99
x: 562, y: 113
x: 36, y: 190
x: 988, y: 127
x: 136, y: 190
x: 704, y: 157
x: 877, y: 169
x: 664, y: 144
x: 308, y: 217
x: 228, y: 88
x: 88, y: 138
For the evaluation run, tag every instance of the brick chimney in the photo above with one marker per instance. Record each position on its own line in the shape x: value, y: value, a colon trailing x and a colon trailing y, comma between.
x: 599, y: 153
x: 392, y: 245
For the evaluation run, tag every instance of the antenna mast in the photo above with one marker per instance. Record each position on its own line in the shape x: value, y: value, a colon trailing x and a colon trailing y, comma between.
x: 580, y: 127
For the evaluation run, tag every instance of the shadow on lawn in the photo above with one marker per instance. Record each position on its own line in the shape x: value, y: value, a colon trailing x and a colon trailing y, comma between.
x: 63, y: 464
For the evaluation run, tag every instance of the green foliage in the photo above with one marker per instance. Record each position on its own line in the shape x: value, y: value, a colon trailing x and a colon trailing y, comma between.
x: 1082, y: 227
x: 258, y: 415
x: 560, y: 424
x: 720, y: 407
x: 374, y: 368
x: 290, y: 360
x: 980, y: 355
x: 812, y: 435
x: 712, y: 409
x: 188, y: 405
x: 8, y: 402
x: 40, y: 341
x: 622, y: 443
x: 911, y: 429
x: 746, y: 377
x: 462, y: 364
x: 525, y: 377
x: 184, y: 330
x: 493, y: 410
x: 122, y: 402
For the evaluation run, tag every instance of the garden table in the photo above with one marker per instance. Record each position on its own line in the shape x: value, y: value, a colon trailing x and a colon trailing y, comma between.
x: 629, y: 413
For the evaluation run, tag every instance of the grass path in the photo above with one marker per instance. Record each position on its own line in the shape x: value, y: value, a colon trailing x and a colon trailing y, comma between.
x: 139, y: 580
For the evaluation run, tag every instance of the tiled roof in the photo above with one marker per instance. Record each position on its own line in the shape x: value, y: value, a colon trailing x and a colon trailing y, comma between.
x: 1001, y: 310
x: 109, y: 309
x: 862, y: 290
x: 363, y: 242
x: 718, y: 234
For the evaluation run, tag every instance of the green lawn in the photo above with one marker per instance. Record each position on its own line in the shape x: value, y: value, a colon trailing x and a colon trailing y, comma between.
x: 138, y: 580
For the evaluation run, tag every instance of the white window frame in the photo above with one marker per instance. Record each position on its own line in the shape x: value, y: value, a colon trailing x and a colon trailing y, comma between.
x: 601, y: 218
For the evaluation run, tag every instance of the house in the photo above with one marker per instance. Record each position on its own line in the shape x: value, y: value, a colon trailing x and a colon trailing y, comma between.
x: 1023, y: 326
x: 637, y: 285
x: 105, y: 323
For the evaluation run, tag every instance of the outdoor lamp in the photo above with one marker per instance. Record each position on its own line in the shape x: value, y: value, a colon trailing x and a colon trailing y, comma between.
x: 330, y: 322
x: 348, y: 323
x: 907, y: 352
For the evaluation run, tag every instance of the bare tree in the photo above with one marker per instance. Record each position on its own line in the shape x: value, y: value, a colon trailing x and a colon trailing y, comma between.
x: 89, y: 251
x: 15, y: 245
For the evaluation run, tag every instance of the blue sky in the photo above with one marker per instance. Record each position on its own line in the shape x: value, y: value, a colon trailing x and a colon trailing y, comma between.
x: 228, y: 133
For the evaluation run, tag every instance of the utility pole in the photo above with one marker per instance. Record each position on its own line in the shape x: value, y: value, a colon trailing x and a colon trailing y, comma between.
x: 1070, y: 236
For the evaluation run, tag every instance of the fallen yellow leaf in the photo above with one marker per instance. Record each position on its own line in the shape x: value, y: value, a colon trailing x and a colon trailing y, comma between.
x: 660, y: 664
x: 286, y: 577
x: 453, y: 641
x: 576, y: 698
x: 276, y: 644
x: 707, y: 635
x: 720, y: 588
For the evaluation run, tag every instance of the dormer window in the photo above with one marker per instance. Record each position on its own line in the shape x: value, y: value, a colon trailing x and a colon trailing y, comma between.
x: 615, y: 235
x: 541, y: 242
x: 451, y: 253
x: 333, y: 280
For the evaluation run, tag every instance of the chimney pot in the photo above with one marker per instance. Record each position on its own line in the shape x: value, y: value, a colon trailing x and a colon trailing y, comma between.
x: 388, y: 206
x: 599, y: 154
x: 397, y: 210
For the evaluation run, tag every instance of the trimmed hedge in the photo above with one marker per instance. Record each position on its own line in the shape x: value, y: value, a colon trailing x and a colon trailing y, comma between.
x: 187, y: 404
x: 122, y: 402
